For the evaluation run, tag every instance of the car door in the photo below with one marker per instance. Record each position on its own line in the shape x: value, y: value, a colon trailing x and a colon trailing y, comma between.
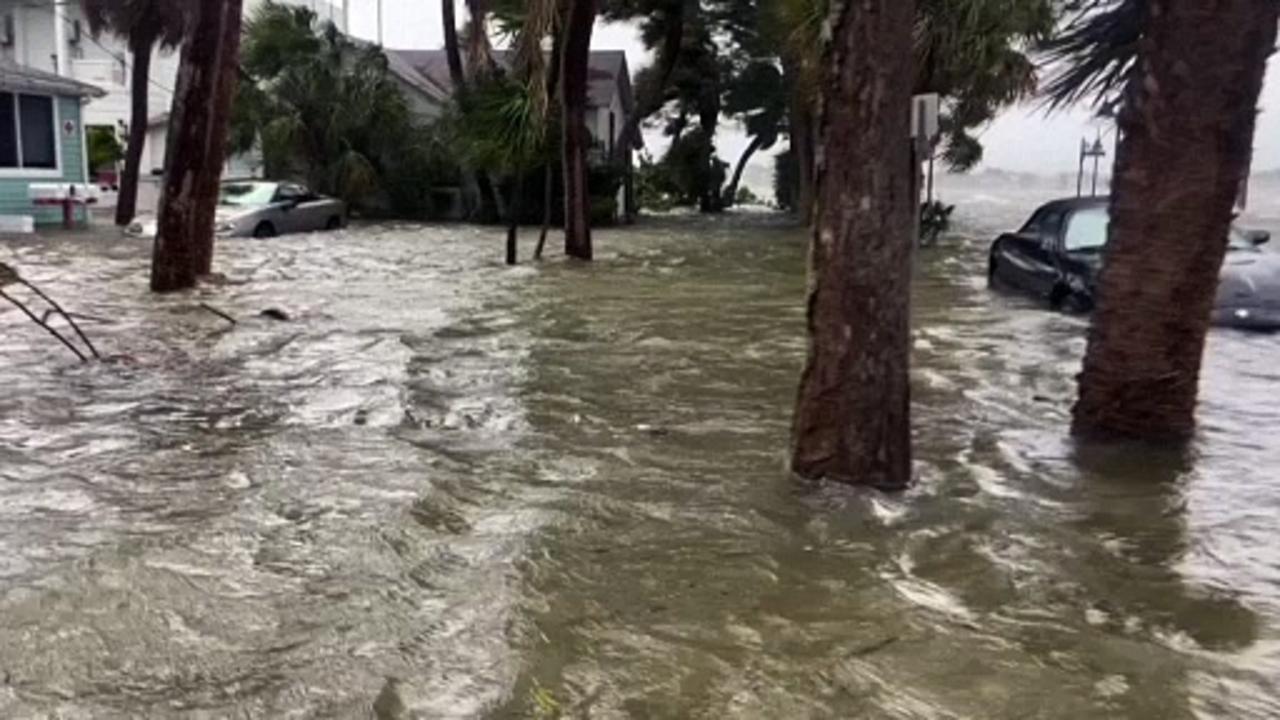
x: 1030, y: 255
x: 313, y: 212
x: 288, y: 200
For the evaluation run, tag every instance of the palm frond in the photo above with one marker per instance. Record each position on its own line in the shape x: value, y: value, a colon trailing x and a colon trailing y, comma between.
x: 1096, y: 52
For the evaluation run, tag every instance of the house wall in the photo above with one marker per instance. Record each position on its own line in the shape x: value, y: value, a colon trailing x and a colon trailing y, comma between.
x: 13, y: 188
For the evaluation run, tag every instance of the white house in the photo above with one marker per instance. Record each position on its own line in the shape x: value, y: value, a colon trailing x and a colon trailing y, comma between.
x: 424, y: 77
x: 53, y: 36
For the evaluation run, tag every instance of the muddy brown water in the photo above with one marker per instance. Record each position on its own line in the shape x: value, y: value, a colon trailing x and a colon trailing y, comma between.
x: 449, y: 489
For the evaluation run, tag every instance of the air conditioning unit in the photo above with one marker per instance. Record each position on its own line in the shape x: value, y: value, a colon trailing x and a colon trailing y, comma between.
x: 6, y: 32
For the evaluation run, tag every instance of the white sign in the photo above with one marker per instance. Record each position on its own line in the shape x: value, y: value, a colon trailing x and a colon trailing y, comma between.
x: 924, y: 117
x: 68, y: 127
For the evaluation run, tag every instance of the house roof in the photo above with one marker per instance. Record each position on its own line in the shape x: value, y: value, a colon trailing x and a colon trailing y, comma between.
x: 20, y: 77
x: 428, y: 70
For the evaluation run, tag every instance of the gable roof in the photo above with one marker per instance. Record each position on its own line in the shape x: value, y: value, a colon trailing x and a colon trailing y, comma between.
x: 428, y: 70
x: 20, y: 77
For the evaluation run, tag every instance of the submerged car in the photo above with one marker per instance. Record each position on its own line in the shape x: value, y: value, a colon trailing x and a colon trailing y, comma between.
x: 1057, y: 254
x: 261, y: 209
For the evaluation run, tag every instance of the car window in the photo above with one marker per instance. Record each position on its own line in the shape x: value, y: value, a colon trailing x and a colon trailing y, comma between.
x: 290, y: 191
x: 1087, y: 230
x: 246, y: 194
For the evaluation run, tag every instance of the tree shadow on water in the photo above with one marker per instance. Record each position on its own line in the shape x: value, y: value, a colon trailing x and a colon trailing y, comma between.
x: 1150, y: 622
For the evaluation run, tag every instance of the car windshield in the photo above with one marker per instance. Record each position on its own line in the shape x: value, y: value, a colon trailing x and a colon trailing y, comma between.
x: 1087, y: 232
x: 246, y: 194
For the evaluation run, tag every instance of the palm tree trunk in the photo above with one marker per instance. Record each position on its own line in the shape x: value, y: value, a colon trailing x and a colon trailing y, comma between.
x: 471, y: 196
x: 547, y: 198
x: 802, y: 147
x: 127, y: 200
x: 730, y: 194
x: 852, y: 419
x: 453, y: 53
x: 197, y: 146
x: 513, y: 216
x: 1187, y: 130
x: 573, y: 90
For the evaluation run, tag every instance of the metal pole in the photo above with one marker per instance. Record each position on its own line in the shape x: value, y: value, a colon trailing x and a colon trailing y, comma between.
x: 379, y: 23
x: 1080, y: 172
x: 929, y: 191
x: 59, y: 42
x: 1094, y: 191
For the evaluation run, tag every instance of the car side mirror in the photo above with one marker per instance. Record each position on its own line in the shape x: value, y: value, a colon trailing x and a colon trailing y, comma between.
x: 1257, y: 237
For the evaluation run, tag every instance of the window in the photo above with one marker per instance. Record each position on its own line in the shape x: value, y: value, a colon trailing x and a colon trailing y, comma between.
x: 1087, y: 230
x: 28, y: 138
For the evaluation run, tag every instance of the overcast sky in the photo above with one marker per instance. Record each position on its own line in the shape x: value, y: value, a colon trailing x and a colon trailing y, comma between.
x: 1024, y: 138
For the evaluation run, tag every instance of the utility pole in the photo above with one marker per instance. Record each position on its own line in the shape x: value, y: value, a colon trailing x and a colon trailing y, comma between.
x: 379, y: 23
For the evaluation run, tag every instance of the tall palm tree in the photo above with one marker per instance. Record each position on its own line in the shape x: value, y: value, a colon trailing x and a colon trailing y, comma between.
x: 1191, y: 74
x: 574, y: 70
x: 852, y: 417
x: 145, y: 25
x: 198, y: 125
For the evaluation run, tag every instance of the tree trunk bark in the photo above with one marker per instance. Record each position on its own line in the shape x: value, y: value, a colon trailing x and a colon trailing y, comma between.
x: 197, y: 146
x: 852, y: 419
x: 513, y: 217
x: 453, y: 54
x: 471, y: 199
x: 127, y: 198
x: 1187, y: 130
x: 547, y: 196
x: 730, y: 195
x: 573, y: 91
x: 802, y: 146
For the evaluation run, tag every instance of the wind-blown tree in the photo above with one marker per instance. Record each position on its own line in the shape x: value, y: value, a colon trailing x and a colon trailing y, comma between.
x: 757, y: 96
x: 327, y: 109
x: 145, y: 26
x: 1187, y: 114
x: 197, y: 145
x: 574, y: 70
x: 974, y: 53
x: 505, y: 126
x: 852, y: 418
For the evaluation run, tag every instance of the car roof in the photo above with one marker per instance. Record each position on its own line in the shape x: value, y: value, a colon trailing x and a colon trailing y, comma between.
x: 1071, y: 204
x: 250, y: 181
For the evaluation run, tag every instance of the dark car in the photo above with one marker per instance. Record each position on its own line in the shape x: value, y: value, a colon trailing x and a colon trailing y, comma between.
x: 1058, y: 252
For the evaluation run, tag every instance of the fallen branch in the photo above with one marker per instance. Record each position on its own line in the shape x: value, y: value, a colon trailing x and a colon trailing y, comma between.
x: 36, y: 320
x: 218, y: 312
x: 63, y: 313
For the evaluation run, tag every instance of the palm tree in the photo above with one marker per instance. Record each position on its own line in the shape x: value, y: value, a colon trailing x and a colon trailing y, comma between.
x: 974, y: 53
x: 852, y: 418
x: 197, y: 145
x: 328, y: 109
x: 1191, y: 74
x: 574, y: 69
x: 145, y: 25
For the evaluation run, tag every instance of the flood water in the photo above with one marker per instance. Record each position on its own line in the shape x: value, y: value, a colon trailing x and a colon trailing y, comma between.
x: 449, y: 489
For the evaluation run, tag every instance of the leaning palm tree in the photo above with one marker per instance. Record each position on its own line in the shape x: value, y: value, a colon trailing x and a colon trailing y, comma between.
x: 145, y: 25
x: 1186, y: 79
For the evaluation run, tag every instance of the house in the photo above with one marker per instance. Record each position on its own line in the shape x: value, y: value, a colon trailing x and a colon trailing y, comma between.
x: 42, y: 139
x: 424, y: 78
x: 53, y: 37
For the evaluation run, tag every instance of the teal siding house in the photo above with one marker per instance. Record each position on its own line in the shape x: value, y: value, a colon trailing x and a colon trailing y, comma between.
x: 42, y: 139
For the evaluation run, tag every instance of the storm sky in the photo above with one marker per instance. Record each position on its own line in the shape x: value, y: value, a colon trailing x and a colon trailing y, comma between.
x: 1025, y: 138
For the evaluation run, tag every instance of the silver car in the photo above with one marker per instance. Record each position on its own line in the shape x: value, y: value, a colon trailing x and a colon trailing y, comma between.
x: 262, y: 209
